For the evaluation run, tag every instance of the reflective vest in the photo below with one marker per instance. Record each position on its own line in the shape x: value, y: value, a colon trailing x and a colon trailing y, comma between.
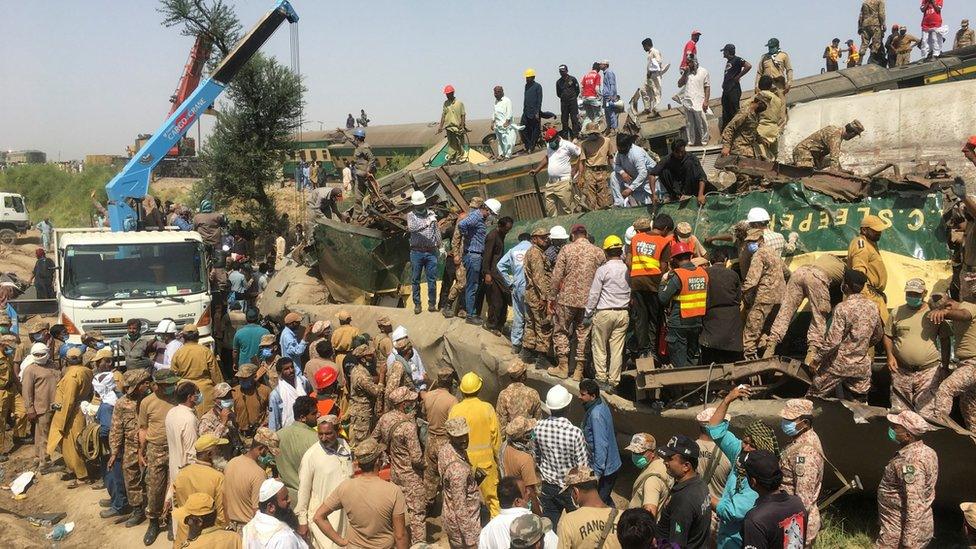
x: 694, y: 287
x: 645, y: 252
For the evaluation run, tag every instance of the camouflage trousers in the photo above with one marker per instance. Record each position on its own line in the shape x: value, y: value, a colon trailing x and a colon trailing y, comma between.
x: 157, y: 478
x: 806, y: 283
x: 416, y: 499
x: 960, y: 382
x: 756, y: 319
x: 895, y: 534
x: 826, y: 380
x: 360, y: 423
x: 432, y: 479
x: 460, y: 281
x: 596, y: 189
x: 915, y: 389
x: 538, y: 328
x: 967, y: 285
x: 132, y: 475
x: 872, y: 39
x: 8, y: 406
x: 570, y: 320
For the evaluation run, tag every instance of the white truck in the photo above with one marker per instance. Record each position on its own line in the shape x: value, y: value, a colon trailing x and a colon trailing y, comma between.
x: 106, y: 278
x: 14, y: 218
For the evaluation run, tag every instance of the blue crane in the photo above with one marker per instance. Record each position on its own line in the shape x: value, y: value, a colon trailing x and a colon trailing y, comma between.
x: 132, y: 183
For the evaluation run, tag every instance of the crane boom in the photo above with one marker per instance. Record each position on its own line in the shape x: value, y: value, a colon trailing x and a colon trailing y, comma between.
x: 133, y: 181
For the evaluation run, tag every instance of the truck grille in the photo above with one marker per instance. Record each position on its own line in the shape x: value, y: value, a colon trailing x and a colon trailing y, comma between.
x: 117, y: 330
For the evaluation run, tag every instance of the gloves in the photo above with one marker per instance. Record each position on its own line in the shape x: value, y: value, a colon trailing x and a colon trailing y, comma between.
x: 959, y: 187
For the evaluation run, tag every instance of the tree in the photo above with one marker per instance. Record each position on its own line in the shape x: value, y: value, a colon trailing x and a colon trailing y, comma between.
x: 214, y: 20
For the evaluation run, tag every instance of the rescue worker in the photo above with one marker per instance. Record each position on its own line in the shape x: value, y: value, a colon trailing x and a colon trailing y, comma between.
x: 903, y: 44
x: 962, y: 381
x: 511, y: 267
x: 400, y: 371
x: 437, y: 404
x: 585, y: 527
x: 802, y: 460
x: 871, y: 28
x: 607, y: 312
x: 74, y: 387
x: 907, y: 487
x: 649, y: 257
x: 912, y: 342
x: 685, y: 293
x: 123, y: 441
x: 653, y: 483
x: 453, y: 121
x: 196, y: 363
x: 775, y: 63
x: 517, y: 399
x: 811, y: 282
x: 863, y: 256
x: 965, y: 36
x: 538, y: 323
x: 569, y: 289
x: 516, y: 460
x: 462, y: 504
x: 383, y: 343
x: 200, y: 476
x: 366, y: 386
x: 485, y: 437
x: 845, y: 358
x: 772, y: 119
x: 153, y: 450
x: 741, y: 135
x: 397, y: 430
x: 364, y: 168
x: 251, y: 398
x: 596, y: 165
x: 821, y: 149
x: 762, y: 291
x: 343, y: 335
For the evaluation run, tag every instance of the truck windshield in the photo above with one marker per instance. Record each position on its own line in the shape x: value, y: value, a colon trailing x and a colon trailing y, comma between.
x: 128, y: 271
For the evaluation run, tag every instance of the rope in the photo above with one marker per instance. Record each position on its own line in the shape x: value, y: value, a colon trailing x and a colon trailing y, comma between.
x: 90, y: 443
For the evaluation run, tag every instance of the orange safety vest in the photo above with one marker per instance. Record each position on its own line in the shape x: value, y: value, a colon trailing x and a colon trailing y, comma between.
x: 694, y: 287
x: 645, y: 252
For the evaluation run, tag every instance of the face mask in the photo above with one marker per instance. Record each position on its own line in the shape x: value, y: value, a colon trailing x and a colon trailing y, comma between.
x: 9, y: 351
x: 147, y: 392
x: 37, y: 338
x: 4, y: 330
x: 247, y: 384
x: 788, y: 427
x: 266, y: 353
x: 892, y: 435
x: 914, y: 302
x: 225, y: 404
x: 170, y: 390
x: 266, y: 460
x: 554, y: 144
x: 410, y: 409
x: 773, y: 50
x: 99, y: 345
x: 752, y: 247
x: 134, y: 336
x: 640, y: 460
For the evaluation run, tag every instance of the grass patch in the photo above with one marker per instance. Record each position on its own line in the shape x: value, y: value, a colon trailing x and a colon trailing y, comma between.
x: 852, y: 522
x: 63, y: 197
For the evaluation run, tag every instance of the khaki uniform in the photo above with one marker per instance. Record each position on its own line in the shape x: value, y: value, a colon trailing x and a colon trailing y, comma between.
x: 572, y: 277
x: 538, y: 324
x: 342, y: 341
x: 453, y: 114
x: 905, y: 497
x: 123, y: 441
x: 863, y: 255
x: 363, y: 394
x: 582, y: 528
x: 595, y: 154
x: 916, y: 346
x: 364, y: 163
x: 871, y: 27
x: 846, y: 357
x: 152, y: 418
x: 215, y: 537
x: 651, y: 487
x: 251, y: 410
x: 811, y: 282
x: 778, y: 67
x: 196, y: 363
x: 802, y: 463
x: 437, y: 405
x: 964, y: 38
x: 196, y: 477
x: 516, y: 400
x: 903, y: 46
x: 764, y: 288
x: 8, y: 397
x: 74, y: 387
x: 399, y: 432
x: 821, y: 150
x: 741, y: 134
x: 384, y: 346
x: 771, y: 122
x: 460, y: 278
x: 462, y: 501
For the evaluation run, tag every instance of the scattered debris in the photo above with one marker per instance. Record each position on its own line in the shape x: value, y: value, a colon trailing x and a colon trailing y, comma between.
x: 60, y: 531
x: 20, y: 484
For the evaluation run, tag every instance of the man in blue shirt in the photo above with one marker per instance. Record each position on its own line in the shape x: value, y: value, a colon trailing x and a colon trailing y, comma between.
x: 247, y: 340
x: 601, y: 440
x: 629, y: 183
x: 293, y: 346
x: 531, y: 110
x: 609, y: 93
x: 511, y: 266
x: 474, y: 228
x: 238, y: 287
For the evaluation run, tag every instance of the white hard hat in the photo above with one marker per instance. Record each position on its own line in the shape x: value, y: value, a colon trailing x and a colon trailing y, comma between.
x: 558, y: 233
x: 418, y: 198
x: 757, y: 215
x: 166, y: 326
x: 629, y: 234
x: 493, y: 205
x: 558, y: 398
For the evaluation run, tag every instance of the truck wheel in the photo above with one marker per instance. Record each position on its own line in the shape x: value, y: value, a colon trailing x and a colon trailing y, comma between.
x: 7, y: 237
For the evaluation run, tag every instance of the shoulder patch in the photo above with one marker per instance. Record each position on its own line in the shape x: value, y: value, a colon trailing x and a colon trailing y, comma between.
x: 860, y: 243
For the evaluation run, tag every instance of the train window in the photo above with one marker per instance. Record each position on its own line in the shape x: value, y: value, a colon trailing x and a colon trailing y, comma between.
x: 314, y: 155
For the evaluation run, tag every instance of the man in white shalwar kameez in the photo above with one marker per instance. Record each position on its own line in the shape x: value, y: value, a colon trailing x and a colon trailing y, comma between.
x: 324, y: 466
x: 504, y: 125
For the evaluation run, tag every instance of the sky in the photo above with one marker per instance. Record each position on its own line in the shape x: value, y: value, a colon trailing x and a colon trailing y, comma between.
x: 87, y: 77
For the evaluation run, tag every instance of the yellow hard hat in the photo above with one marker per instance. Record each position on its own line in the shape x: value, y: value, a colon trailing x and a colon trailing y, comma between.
x: 529, y: 72
x: 612, y: 241
x: 470, y: 383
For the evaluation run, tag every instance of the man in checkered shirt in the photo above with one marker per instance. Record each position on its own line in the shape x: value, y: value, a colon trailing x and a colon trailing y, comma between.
x: 559, y: 446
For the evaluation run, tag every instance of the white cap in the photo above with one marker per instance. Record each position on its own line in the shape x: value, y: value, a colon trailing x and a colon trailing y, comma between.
x: 269, y: 489
x: 629, y: 234
x: 558, y: 233
x: 558, y: 398
x: 418, y: 198
x: 757, y: 215
x: 399, y: 333
x: 39, y: 349
x: 166, y: 326
x: 493, y: 205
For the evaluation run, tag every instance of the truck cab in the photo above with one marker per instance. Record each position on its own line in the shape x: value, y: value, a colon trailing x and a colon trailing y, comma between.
x: 14, y: 218
x: 106, y: 278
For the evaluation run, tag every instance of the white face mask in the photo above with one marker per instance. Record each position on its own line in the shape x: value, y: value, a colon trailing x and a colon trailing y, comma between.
x: 42, y: 359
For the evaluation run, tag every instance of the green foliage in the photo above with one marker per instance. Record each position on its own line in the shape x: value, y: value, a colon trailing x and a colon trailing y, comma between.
x: 63, y: 197
x: 212, y: 19
x: 397, y: 163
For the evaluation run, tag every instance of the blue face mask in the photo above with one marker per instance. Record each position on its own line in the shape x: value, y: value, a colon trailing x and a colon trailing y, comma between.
x: 4, y: 330
x: 913, y: 302
x: 247, y: 384
x: 225, y: 404
x: 640, y: 460
x: 100, y: 345
x: 752, y: 247
x: 266, y: 353
x: 788, y: 427
x: 892, y: 435
x: 9, y: 351
x: 199, y: 399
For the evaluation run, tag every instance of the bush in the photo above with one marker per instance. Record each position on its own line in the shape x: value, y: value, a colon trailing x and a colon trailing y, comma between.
x: 52, y: 193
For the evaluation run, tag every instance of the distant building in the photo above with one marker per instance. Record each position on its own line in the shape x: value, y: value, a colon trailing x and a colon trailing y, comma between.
x: 26, y: 157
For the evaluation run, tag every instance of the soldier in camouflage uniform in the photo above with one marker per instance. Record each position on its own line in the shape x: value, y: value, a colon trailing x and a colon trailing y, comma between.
x: 123, y: 440
x: 462, y: 498
x: 741, y: 135
x: 871, y: 27
x: 538, y: 325
x: 397, y: 429
x: 517, y: 399
x: 569, y: 290
x: 365, y: 389
x: 962, y: 381
x: 810, y: 282
x: 821, y: 150
x: 398, y: 372
x: 802, y: 461
x: 845, y: 358
x: 383, y: 343
x: 364, y: 166
x: 907, y: 487
x: 437, y: 404
x: 155, y: 452
x: 762, y: 291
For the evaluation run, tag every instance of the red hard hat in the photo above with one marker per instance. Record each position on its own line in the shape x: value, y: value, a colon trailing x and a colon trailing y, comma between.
x: 679, y: 248
x: 325, y: 377
x: 550, y: 134
x: 448, y: 89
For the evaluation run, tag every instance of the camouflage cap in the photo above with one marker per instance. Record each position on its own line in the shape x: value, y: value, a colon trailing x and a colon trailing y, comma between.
x: 642, y: 223
x: 796, y: 408
x: 165, y: 377
x: 369, y: 450
x: 365, y: 349
x: 540, y: 231
x: 246, y: 370
x: 9, y: 339
x: 856, y: 126
x: 915, y: 285
x: 456, y: 427
x: 683, y: 229
x: 423, y: 545
x: 526, y: 530
x: 641, y: 442
x: 132, y: 378
x: 580, y: 475
x: 221, y: 390
x: 402, y: 394
x: 268, y: 438
x: 476, y: 202
x: 321, y: 326
x: 912, y: 422
x: 267, y: 339
x: 384, y: 322
x: 516, y: 367
x: 94, y: 334
x: 706, y: 415
x: 5, y: 319
x: 519, y: 426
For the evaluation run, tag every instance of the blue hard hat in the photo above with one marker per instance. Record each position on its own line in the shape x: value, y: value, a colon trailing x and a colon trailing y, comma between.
x: 359, y: 132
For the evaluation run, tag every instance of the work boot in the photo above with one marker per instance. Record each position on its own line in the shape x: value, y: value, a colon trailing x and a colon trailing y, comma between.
x: 561, y: 370
x: 516, y: 349
x: 474, y: 320
x: 136, y: 518
x: 447, y: 313
x: 151, y: 533
x: 416, y: 309
x: 432, y: 308
x: 578, y: 373
x: 109, y: 513
x: 107, y: 502
x: 527, y: 355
